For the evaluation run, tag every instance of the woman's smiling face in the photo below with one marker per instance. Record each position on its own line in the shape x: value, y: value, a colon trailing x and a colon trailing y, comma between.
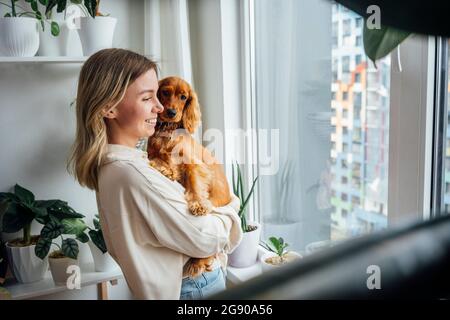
x: 135, y: 116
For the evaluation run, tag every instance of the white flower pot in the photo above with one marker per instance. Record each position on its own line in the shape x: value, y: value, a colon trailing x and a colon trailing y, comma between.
x: 246, y: 253
x: 58, y: 268
x: 25, y: 265
x: 96, y: 34
x: 50, y: 45
x: 19, y: 37
x: 103, y: 261
x: 268, y: 266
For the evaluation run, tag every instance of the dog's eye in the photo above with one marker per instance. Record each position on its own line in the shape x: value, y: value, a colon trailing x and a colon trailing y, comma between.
x: 183, y: 97
x: 166, y: 93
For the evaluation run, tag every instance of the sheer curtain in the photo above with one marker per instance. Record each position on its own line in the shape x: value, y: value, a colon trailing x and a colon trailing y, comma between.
x: 293, y: 80
x: 168, y: 40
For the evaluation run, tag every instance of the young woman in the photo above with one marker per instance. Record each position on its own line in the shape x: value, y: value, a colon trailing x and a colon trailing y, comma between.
x: 145, y: 220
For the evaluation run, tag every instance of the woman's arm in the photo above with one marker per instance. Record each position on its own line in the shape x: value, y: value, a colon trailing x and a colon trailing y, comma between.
x: 161, y: 205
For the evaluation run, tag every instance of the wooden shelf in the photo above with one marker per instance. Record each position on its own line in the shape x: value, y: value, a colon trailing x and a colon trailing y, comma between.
x: 40, y: 59
x: 89, y: 276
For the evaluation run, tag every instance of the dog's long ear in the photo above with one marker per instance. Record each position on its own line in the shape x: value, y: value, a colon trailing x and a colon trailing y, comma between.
x: 191, y: 113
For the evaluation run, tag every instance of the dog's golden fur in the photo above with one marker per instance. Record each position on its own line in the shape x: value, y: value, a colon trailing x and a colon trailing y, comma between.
x: 174, y: 153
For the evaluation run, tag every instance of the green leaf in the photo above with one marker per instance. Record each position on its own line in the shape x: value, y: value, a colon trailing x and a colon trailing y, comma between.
x: 23, y: 194
x: 52, y: 229
x: 8, y: 15
x: 249, y: 194
x: 34, y: 5
x: 4, y: 204
x: 51, y: 4
x: 82, y: 237
x: 44, y: 203
x: 55, y: 28
x: 63, y: 211
x: 43, y: 2
x: 378, y: 43
x: 76, y: 1
x: 98, y: 240
x: 15, y: 218
x: 62, y: 4
x: 73, y: 226
x: 275, y: 242
x: 91, y: 6
x: 42, y: 247
x: 97, y: 224
x: 69, y: 248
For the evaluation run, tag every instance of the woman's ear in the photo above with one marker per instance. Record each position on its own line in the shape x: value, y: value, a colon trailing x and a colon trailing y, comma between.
x: 191, y: 113
x: 109, y: 112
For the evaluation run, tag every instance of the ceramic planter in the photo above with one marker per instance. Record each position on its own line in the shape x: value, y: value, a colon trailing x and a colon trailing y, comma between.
x: 96, y: 34
x: 246, y: 252
x: 52, y: 46
x: 58, y: 268
x: 19, y: 37
x: 268, y: 266
x: 103, y: 261
x: 25, y: 265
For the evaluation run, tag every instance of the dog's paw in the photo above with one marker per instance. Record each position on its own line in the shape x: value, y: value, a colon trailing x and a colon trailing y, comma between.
x: 200, y: 208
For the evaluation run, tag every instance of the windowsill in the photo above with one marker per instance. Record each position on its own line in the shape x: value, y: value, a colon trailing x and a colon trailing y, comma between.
x: 240, y: 275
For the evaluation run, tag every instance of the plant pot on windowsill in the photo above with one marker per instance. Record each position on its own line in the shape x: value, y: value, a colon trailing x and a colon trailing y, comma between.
x: 246, y: 253
x: 277, y: 254
x: 59, y: 265
x: 24, y: 264
x: 271, y: 260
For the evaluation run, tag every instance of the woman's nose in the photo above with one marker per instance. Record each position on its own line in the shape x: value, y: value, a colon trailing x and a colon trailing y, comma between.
x: 158, y: 107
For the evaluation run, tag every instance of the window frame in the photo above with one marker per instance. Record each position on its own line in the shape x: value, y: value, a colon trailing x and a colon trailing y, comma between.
x: 410, y: 148
x: 440, y: 128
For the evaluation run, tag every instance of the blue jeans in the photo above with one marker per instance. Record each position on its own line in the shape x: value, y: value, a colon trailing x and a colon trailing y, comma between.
x: 206, y: 284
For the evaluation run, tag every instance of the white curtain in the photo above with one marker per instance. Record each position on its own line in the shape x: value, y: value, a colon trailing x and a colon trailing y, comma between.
x: 293, y: 83
x: 168, y: 39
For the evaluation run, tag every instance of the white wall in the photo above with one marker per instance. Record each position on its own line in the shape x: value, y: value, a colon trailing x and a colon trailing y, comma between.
x: 37, y: 126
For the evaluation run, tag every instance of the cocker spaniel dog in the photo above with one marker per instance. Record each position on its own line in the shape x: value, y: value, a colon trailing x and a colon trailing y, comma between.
x: 173, y: 152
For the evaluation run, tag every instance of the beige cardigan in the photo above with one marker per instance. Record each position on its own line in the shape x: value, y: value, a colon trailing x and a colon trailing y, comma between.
x: 148, y: 228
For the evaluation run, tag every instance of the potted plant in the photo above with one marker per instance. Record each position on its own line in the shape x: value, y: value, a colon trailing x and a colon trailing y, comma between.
x: 102, y: 260
x: 246, y: 252
x: 277, y: 254
x: 52, y: 44
x: 96, y: 30
x: 66, y: 253
x: 18, y: 211
x: 19, y: 36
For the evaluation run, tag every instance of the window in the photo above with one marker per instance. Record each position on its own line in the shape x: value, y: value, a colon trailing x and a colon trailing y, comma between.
x: 357, y: 77
x: 358, y: 59
x: 358, y: 40
x: 442, y: 178
x: 323, y: 174
x: 347, y: 31
x: 346, y: 64
x: 358, y: 22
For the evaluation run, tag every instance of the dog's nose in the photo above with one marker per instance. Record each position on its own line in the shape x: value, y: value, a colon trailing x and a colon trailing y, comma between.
x: 171, y: 113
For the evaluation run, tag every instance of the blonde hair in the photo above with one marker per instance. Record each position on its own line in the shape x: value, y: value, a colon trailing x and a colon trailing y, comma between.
x: 103, y: 81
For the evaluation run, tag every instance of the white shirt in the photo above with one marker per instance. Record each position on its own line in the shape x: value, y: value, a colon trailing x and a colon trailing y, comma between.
x: 148, y: 228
